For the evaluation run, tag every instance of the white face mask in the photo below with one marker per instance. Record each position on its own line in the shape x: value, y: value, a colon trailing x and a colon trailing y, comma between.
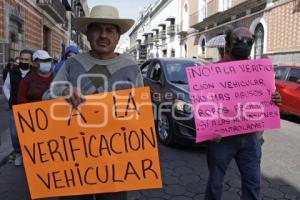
x: 45, y: 67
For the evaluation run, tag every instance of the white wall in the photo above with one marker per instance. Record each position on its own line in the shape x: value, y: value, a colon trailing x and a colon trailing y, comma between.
x: 169, y: 10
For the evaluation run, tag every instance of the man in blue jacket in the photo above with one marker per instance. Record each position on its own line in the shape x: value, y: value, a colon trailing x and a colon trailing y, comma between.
x: 70, y: 51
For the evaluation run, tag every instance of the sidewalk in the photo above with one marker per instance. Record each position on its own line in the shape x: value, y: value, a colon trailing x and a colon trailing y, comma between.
x: 5, y: 141
x: 5, y: 146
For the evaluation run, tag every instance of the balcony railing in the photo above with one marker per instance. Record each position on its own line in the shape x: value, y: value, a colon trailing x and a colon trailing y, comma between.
x: 162, y: 34
x: 54, y: 8
x: 137, y: 45
x: 163, y: 43
x: 155, y: 38
x: 150, y: 40
x: 171, y: 30
x: 145, y: 42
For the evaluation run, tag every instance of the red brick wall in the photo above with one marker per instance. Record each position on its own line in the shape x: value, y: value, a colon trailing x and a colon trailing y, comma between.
x: 33, y: 27
x: 283, y: 28
x: 57, y: 38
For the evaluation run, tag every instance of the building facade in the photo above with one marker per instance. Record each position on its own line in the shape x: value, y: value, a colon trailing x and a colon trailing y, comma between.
x: 38, y: 24
x: 156, y: 33
x: 164, y: 30
x: 79, y: 8
x: 275, y: 24
x: 187, y: 34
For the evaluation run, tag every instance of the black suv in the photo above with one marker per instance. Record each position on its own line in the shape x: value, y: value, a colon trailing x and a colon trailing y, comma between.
x: 173, y: 113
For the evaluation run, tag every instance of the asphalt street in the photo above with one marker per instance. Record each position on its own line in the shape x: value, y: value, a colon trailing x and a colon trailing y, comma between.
x: 184, y: 169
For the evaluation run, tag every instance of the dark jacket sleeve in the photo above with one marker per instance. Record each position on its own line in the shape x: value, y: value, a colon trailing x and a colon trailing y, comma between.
x: 4, y: 74
x: 22, y: 93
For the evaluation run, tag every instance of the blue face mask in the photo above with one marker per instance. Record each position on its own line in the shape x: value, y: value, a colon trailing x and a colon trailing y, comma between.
x: 45, y: 67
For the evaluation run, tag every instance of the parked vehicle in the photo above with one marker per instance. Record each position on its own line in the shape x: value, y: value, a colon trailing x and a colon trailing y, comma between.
x: 168, y: 83
x: 288, y: 85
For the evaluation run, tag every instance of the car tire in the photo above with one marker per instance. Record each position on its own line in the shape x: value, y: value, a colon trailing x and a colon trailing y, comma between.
x: 165, y: 131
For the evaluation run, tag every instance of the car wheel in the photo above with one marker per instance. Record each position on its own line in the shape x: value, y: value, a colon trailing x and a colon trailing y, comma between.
x: 165, y: 129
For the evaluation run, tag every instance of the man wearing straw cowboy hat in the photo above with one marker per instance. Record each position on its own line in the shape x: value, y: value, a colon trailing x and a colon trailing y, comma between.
x: 99, y: 69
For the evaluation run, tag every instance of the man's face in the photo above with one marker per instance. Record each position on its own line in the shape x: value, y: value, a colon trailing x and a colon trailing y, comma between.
x: 103, y: 38
x: 241, y: 42
x: 241, y: 34
x: 25, y: 58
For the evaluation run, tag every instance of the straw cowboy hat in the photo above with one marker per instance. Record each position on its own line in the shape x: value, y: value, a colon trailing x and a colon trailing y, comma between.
x: 103, y: 14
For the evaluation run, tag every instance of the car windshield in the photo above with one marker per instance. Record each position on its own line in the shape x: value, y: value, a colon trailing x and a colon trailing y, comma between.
x: 176, y: 70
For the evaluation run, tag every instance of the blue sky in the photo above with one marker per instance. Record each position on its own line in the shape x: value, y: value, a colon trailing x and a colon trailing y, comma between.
x: 127, y: 8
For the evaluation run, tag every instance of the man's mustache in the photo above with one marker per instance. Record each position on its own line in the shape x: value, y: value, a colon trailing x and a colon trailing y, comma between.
x: 103, y: 40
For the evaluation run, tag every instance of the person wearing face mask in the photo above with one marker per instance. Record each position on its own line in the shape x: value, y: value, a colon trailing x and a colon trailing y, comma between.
x: 246, y: 148
x: 10, y: 90
x: 34, y: 85
x: 69, y: 52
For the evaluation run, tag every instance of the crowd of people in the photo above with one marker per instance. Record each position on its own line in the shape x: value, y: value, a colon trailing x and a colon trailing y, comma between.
x: 25, y: 80
x: 29, y: 81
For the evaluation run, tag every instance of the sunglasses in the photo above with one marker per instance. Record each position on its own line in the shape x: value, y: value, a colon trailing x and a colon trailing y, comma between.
x: 247, y: 40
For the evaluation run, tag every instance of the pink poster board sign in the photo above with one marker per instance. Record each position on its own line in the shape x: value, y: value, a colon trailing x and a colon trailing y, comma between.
x: 233, y: 98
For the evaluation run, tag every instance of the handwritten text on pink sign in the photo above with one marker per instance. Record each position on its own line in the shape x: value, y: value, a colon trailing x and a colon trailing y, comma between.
x: 233, y: 98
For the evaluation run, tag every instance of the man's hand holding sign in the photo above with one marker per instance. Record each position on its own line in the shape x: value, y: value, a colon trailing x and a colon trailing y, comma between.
x: 107, y: 144
x: 233, y: 98
x: 240, y: 104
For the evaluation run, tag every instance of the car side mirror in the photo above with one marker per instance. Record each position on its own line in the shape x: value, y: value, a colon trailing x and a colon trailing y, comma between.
x: 298, y: 81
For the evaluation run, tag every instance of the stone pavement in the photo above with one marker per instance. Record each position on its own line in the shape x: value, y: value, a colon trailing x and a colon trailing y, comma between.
x: 185, y: 174
x: 5, y: 141
x: 184, y: 171
x: 5, y: 146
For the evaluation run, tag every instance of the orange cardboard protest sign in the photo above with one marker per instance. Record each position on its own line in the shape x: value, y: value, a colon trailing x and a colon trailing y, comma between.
x: 108, y: 144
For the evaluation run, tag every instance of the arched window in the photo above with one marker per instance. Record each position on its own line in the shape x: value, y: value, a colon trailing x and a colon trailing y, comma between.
x: 185, y: 24
x: 186, y: 7
x: 203, y: 46
x: 259, y: 34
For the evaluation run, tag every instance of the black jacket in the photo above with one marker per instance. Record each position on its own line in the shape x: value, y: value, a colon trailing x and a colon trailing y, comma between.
x: 15, y: 79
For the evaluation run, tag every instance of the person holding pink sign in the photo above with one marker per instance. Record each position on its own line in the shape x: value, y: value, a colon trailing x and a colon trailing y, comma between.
x: 245, y: 148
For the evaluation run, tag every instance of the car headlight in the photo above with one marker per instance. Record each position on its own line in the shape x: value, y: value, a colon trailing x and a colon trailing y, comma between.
x: 183, y: 106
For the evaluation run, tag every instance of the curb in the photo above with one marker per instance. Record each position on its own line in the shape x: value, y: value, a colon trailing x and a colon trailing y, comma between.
x: 5, y: 146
